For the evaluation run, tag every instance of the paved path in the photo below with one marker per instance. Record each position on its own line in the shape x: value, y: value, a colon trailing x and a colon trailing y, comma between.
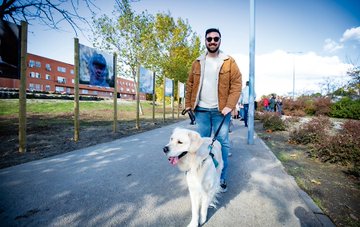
x: 129, y: 182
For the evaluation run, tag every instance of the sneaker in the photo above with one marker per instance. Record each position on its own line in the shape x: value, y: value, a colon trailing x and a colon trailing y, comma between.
x: 212, y: 205
x: 223, y: 186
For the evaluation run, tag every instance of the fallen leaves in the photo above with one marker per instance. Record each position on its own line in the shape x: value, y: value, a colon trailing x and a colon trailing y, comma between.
x: 315, y: 182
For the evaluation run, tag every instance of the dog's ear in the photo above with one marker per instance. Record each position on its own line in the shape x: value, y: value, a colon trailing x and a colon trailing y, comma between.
x: 196, y: 141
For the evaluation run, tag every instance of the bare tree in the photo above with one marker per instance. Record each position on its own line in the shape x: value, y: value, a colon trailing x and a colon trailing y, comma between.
x: 50, y: 13
x: 354, y: 74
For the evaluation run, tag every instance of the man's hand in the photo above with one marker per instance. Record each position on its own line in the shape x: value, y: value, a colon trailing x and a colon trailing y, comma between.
x: 226, y: 110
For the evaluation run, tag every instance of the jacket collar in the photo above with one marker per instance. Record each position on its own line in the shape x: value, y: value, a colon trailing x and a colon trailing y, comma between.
x: 222, y: 56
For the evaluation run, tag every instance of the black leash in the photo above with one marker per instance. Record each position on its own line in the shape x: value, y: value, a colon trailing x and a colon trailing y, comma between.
x: 191, y: 115
x: 217, y: 131
x: 212, y: 143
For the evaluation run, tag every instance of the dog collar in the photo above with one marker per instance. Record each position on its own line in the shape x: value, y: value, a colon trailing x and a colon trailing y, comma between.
x: 182, y: 154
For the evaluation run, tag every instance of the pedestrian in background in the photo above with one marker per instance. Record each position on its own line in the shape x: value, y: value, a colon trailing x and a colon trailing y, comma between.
x: 272, y: 103
x: 265, y: 102
x: 279, y: 105
x: 244, y: 100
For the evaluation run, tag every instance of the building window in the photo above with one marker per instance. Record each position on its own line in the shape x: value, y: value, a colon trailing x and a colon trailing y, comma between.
x: 95, y: 92
x: 47, y: 87
x: 31, y: 63
x: 61, y: 69
x: 47, y: 76
x: 38, y: 87
x: 37, y: 64
x: 68, y: 90
x: 61, y: 80
x: 37, y: 75
x: 73, y: 81
x: 48, y: 67
x: 84, y: 91
x: 71, y: 71
x: 31, y: 87
x: 59, y: 89
x: 32, y: 74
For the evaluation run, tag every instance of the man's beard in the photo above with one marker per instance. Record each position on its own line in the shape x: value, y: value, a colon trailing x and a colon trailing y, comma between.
x: 212, y: 51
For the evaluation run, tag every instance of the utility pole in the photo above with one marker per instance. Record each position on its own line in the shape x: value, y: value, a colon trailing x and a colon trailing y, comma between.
x: 251, y: 73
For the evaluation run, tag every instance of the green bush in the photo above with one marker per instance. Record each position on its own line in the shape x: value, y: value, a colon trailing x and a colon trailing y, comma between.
x: 346, y: 108
x: 272, y: 121
x: 311, y: 132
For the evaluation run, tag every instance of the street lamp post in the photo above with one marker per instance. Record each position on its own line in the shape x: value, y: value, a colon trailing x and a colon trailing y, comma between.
x: 294, y: 55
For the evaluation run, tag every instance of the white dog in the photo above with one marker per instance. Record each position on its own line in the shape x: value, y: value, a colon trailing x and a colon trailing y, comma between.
x: 191, y: 153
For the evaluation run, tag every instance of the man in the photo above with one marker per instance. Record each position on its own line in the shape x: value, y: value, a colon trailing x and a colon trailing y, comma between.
x: 98, y: 70
x: 244, y: 100
x: 212, y: 91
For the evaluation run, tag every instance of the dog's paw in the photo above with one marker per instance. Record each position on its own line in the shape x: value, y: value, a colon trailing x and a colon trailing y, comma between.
x: 212, y: 205
x: 202, y: 220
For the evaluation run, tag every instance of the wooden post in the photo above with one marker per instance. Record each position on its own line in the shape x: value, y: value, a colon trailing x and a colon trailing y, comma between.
x: 138, y: 97
x: 22, y: 90
x: 76, y: 91
x: 173, y: 99
x: 164, y: 109
x: 115, y: 95
x: 153, y: 116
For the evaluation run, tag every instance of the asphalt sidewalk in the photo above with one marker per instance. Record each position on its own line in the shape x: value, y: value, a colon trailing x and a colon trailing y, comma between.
x: 129, y: 182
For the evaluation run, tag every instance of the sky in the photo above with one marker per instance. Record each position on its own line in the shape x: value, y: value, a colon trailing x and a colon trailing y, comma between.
x: 306, y: 43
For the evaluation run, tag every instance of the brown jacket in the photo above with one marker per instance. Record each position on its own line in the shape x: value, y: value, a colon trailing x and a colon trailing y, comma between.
x: 229, y: 83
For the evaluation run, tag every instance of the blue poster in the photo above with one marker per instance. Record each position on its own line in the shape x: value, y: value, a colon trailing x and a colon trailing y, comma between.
x: 146, y: 81
x: 96, y: 67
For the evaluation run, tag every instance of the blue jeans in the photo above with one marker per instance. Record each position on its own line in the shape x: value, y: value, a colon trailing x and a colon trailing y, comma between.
x: 246, y: 114
x: 208, y: 121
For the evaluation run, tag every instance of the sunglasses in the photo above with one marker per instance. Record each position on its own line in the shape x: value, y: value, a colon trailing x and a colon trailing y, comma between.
x: 216, y: 39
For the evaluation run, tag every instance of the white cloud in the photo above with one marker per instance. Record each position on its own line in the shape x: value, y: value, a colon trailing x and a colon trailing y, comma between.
x: 351, y: 34
x: 274, y: 72
x: 332, y: 46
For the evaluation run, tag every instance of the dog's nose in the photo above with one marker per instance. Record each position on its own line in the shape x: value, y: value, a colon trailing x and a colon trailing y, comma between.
x: 166, y: 149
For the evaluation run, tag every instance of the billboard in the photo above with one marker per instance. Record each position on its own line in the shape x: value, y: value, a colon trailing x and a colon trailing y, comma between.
x: 9, y: 50
x: 168, y: 87
x: 181, y: 88
x: 96, y: 67
x: 146, y: 82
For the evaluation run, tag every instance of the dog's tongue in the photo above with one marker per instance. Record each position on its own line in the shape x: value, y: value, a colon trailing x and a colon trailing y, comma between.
x: 173, y: 160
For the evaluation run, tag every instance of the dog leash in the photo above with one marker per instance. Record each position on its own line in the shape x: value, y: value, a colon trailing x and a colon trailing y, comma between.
x: 216, y: 163
x: 191, y: 115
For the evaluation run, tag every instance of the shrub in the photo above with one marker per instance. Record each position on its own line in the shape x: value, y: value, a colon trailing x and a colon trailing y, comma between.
x: 310, y: 108
x: 346, y: 108
x: 272, y: 121
x: 322, y: 106
x: 311, y: 132
x: 343, y: 148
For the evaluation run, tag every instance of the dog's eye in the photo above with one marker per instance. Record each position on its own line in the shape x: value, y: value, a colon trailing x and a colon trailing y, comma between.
x: 179, y: 142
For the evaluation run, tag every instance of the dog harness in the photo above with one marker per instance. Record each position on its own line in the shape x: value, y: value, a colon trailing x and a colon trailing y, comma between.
x: 210, y: 147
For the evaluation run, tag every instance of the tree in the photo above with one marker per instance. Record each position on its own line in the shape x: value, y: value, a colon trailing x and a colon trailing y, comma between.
x: 354, y: 83
x: 129, y: 35
x: 329, y: 86
x: 177, y: 46
x: 48, y: 13
x: 158, y: 43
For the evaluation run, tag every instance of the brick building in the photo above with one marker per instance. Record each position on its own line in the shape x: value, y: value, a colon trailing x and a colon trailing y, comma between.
x: 48, y: 75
